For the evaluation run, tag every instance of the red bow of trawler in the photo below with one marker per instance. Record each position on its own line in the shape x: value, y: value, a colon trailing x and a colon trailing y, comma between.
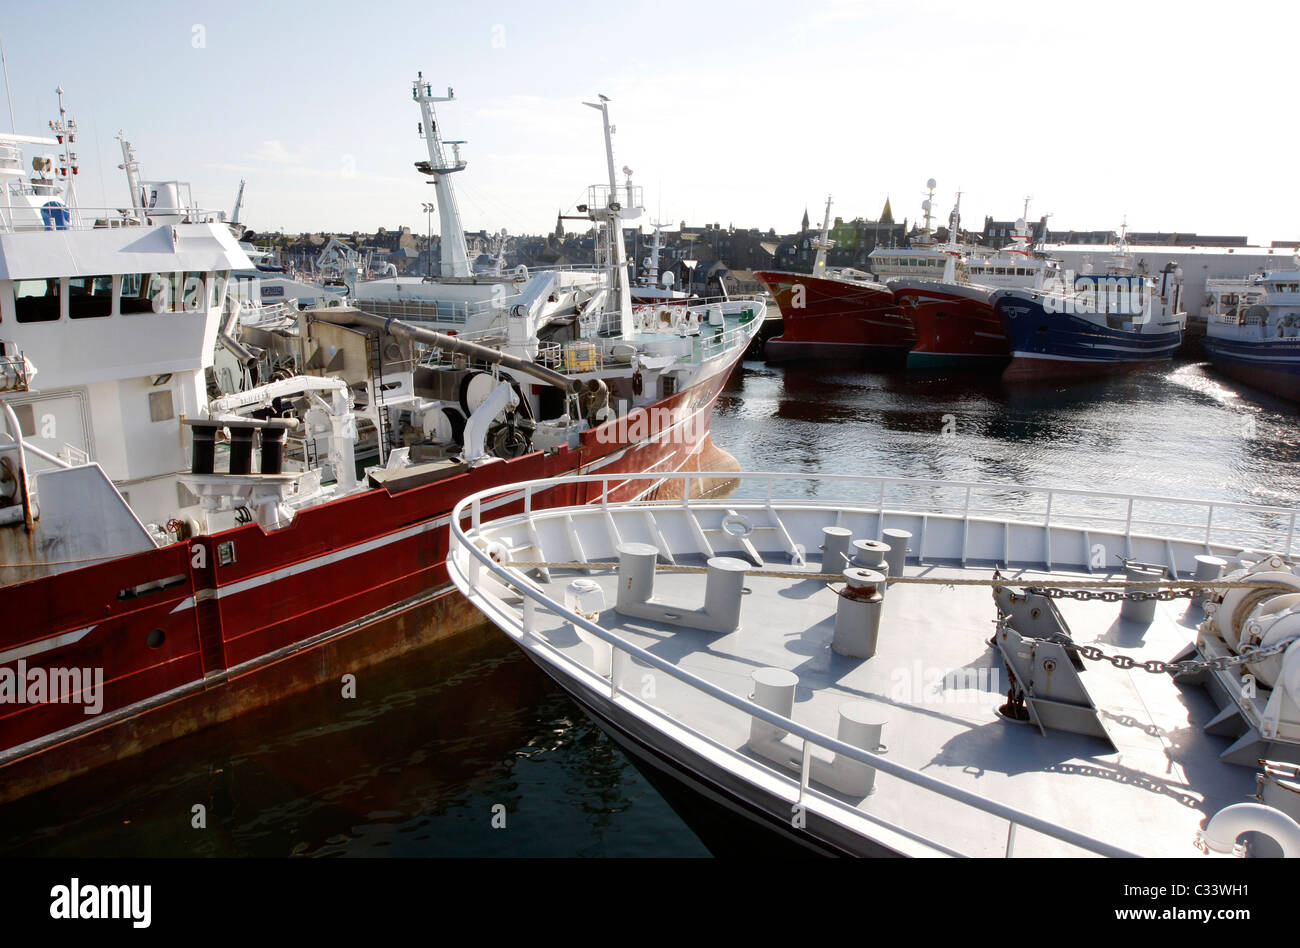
x: 834, y: 313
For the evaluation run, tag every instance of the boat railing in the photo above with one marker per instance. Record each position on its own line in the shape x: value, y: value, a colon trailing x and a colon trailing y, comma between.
x: 1212, y: 524
x: 443, y: 311
x: 471, y: 561
x: 22, y: 217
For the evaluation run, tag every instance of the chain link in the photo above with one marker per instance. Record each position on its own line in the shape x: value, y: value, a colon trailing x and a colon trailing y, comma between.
x: 1113, y: 595
x: 1157, y: 667
x: 1154, y: 666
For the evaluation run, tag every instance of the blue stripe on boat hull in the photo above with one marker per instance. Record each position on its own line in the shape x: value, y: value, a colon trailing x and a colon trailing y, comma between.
x: 1272, y: 366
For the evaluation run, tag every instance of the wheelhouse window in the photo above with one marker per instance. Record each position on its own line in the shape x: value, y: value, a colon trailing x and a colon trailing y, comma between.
x: 135, y: 293
x: 90, y: 297
x: 153, y: 293
x: 37, y: 301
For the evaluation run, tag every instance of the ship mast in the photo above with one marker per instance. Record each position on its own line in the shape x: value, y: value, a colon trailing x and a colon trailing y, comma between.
x: 612, y: 215
x: 954, y: 221
x: 823, y: 243
x: 927, y: 205
x: 132, y: 169
x: 651, y: 275
x: 455, y: 255
x: 239, y: 203
x: 65, y: 130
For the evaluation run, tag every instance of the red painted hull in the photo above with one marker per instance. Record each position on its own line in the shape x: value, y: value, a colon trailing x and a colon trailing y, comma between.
x: 952, y: 323
x: 833, y: 318
x: 348, y: 583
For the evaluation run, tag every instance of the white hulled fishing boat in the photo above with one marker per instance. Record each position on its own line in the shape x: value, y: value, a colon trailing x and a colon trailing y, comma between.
x: 876, y: 665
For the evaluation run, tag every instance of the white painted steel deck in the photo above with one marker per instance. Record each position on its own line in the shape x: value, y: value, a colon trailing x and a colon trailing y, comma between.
x: 954, y: 778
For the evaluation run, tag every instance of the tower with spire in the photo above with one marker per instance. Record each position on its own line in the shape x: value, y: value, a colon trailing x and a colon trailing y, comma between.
x: 559, y: 225
x: 804, y: 228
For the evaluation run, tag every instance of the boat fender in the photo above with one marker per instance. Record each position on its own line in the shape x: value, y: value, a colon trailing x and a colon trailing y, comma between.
x: 638, y: 383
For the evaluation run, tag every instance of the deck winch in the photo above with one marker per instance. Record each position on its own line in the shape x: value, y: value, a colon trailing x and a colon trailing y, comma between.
x: 1249, y: 636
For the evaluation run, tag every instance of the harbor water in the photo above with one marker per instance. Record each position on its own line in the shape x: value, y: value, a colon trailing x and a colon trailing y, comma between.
x: 465, y: 749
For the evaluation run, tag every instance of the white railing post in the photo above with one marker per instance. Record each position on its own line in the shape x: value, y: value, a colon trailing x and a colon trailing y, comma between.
x: 805, y: 767
x: 1011, y: 838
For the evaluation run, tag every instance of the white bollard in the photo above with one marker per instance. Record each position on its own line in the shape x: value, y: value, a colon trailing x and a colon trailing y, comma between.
x: 857, y: 616
x: 835, y: 548
x: 898, y: 541
x: 1208, y: 568
x: 1141, y: 611
x: 636, y: 574
x: 861, y: 724
x: 723, y: 586
x: 773, y: 691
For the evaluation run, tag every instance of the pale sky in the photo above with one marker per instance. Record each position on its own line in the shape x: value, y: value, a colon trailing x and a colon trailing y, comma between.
x: 1175, y: 115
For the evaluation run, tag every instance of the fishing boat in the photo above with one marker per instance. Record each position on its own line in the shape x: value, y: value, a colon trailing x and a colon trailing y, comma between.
x: 834, y: 312
x: 871, y: 665
x: 170, y: 560
x: 1252, y: 332
x: 956, y: 326
x: 1113, y: 321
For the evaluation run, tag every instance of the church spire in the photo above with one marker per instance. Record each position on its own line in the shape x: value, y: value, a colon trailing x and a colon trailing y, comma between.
x: 887, y: 215
x: 805, y: 221
x: 559, y: 226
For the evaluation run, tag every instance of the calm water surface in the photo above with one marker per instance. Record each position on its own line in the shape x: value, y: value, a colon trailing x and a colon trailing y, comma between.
x: 417, y: 762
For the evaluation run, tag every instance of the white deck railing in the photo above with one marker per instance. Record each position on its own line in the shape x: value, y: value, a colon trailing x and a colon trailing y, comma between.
x: 27, y: 217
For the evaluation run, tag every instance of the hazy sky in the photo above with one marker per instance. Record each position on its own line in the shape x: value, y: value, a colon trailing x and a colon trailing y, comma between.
x: 1176, y: 115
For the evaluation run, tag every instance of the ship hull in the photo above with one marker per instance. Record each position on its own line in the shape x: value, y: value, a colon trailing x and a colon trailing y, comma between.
x: 248, y: 617
x: 722, y: 808
x: 1272, y: 367
x: 955, y: 326
x: 1046, y: 346
x: 830, y: 319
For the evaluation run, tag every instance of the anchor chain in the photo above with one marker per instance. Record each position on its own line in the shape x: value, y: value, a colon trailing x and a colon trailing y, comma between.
x: 1252, y: 653
x: 1113, y: 595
